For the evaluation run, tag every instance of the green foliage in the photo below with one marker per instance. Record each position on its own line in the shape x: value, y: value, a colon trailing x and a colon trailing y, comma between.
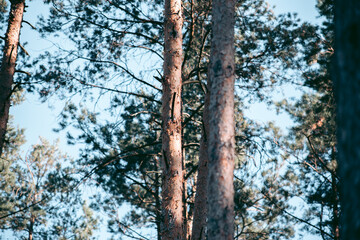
x: 312, y: 141
x: 3, y: 5
x: 70, y: 223
x: 39, y: 192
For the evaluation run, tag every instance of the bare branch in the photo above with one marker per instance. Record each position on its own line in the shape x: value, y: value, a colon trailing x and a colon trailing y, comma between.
x: 32, y: 26
x: 22, y: 48
x: 20, y: 71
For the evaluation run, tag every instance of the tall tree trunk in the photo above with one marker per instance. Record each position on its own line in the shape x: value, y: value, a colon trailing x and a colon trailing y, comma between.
x: 172, y: 184
x: 347, y: 87
x: 8, y: 64
x: 200, y: 206
x: 221, y: 139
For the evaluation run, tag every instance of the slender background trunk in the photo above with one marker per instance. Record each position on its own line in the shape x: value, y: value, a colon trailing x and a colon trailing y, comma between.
x: 200, y: 205
x: 31, y: 227
x: 8, y: 64
x: 347, y: 89
x: 221, y: 139
x: 157, y: 198
x: 335, y: 209
x: 172, y: 184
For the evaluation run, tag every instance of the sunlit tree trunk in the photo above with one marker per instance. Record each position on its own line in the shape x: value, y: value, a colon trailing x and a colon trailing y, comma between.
x: 347, y: 87
x: 221, y: 139
x: 172, y: 184
x: 200, y: 205
x: 8, y: 64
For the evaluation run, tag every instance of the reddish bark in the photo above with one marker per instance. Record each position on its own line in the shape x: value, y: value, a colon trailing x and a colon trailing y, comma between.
x: 8, y: 64
x: 172, y: 183
x: 221, y: 139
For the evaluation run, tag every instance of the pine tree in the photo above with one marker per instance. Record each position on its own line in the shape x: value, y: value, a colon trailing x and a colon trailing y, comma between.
x: 221, y: 143
x: 172, y: 156
x: 39, y: 194
x: 8, y: 63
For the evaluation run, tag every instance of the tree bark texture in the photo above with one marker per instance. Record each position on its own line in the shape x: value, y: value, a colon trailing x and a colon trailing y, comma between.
x: 221, y: 139
x: 8, y: 64
x: 172, y: 181
x: 347, y: 89
x: 200, y: 205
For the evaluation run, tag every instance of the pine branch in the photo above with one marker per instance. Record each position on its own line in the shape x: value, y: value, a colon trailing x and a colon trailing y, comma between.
x: 23, y: 209
x: 117, y: 91
x: 112, y: 159
x: 297, y: 218
x: 20, y: 71
x: 319, y: 158
x: 196, y: 111
x: 121, y: 67
x: 22, y: 48
x: 32, y: 26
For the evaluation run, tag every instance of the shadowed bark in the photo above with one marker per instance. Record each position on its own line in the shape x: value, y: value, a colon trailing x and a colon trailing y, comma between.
x: 8, y: 64
x: 172, y: 184
x: 200, y: 205
x: 347, y: 89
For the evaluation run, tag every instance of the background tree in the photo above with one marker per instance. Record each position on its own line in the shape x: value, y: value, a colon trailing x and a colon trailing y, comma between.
x: 15, y: 139
x: 39, y: 195
x: 311, y: 143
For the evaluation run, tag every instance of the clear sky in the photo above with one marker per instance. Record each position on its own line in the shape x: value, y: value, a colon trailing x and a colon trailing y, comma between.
x: 39, y: 120
x: 305, y: 8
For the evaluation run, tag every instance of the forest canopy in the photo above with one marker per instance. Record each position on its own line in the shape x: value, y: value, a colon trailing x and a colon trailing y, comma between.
x: 177, y: 120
